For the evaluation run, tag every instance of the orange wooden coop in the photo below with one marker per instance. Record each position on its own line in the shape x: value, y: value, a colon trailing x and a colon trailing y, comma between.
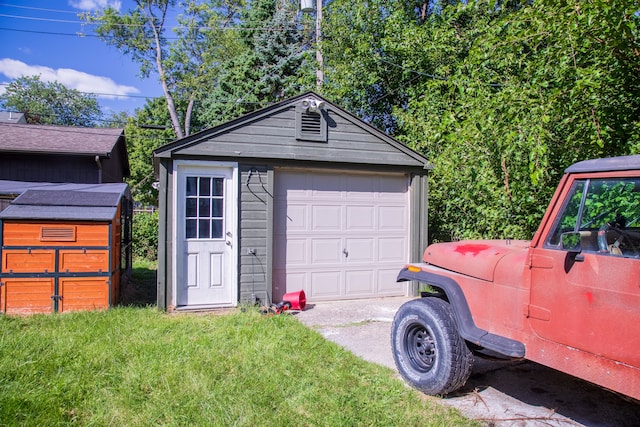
x: 65, y: 247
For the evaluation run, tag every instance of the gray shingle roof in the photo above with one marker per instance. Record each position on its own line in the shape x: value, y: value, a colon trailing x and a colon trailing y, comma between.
x: 39, y: 201
x: 20, y: 138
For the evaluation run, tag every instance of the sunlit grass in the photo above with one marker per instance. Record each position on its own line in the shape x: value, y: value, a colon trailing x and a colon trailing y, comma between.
x: 139, y: 367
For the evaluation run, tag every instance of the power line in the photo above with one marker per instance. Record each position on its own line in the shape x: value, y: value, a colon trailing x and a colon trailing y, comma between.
x: 180, y: 27
x: 39, y: 8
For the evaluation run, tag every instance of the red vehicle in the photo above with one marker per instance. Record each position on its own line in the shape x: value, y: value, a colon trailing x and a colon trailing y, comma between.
x: 568, y: 299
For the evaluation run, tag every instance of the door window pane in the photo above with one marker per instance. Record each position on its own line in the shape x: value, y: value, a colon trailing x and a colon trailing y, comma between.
x: 191, y: 230
x: 205, y: 187
x: 192, y: 186
x: 218, y: 187
x: 204, y: 208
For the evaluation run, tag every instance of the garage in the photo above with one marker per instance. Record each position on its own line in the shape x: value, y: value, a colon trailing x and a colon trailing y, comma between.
x: 297, y: 196
x: 340, y: 235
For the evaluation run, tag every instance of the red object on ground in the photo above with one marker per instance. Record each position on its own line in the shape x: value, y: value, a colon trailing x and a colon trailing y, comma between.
x: 297, y: 299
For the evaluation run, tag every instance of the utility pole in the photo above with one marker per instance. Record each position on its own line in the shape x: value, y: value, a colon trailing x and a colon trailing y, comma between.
x: 306, y: 6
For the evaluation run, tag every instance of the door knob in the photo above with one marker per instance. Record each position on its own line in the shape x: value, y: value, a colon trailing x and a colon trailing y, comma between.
x: 345, y: 252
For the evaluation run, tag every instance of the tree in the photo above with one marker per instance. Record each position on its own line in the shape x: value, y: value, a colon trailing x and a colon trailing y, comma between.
x: 500, y: 96
x: 183, y: 65
x: 50, y: 103
x: 147, y: 130
x: 271, y: 63
x: 140, y: 34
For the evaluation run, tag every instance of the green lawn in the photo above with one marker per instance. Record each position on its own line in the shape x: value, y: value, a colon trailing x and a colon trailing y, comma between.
x: 133, y: 366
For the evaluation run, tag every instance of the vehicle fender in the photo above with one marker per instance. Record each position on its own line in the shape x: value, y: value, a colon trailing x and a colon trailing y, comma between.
x: 464, y: 320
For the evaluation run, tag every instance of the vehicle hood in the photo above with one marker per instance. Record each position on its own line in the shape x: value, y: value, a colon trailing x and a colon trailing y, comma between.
x: 475, y: 258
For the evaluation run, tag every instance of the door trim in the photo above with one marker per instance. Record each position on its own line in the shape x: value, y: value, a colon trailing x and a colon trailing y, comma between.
x: 178, y: 243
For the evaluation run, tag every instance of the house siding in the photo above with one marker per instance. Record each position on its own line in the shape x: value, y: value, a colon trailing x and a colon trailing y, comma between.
x: 274, y: 137
x: 255, y: 201
x: 48, y: 168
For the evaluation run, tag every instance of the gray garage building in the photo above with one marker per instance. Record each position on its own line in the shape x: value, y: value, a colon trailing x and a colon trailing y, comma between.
x: 300, y: 195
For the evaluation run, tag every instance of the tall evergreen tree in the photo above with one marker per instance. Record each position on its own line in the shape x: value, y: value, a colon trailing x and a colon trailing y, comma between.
x: 275, y: 62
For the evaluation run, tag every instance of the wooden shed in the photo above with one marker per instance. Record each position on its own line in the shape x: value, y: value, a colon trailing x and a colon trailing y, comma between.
x: 64, y: 247
x: 297, y: 196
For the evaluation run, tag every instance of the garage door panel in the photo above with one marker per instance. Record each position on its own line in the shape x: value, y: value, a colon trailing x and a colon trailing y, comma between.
x: 359, y: 283
x: 296, y: 253
x: 326, y: 186
x: 392, y: 218
x: 291, y: 184
x: 386, y: 280
x: 326, y: 218
x: 392, y: 189
x: 296, y: 218
x: 326, y: 251
x: 325, y: 285
x: 360, y: 250
x: 360, y: 187
x: 392, y: 249
x: 361, y: 218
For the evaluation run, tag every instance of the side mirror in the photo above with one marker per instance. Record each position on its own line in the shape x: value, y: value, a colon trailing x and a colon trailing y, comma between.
x: 570, y: 242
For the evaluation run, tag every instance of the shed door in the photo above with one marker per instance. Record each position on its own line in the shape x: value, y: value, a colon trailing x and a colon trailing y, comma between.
x: 205, y: 229
x: 340, y: 235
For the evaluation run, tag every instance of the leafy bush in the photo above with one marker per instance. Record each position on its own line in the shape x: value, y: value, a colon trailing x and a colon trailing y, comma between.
x: 145, y: 235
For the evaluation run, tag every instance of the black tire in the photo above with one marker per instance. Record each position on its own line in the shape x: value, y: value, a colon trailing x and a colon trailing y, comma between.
x: 428, y: 350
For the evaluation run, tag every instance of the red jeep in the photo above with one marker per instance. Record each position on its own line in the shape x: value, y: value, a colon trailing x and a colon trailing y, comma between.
x: 568, y: 299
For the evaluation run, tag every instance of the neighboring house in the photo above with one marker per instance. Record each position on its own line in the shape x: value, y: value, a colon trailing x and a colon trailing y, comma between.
x: 37, y: 153
x: 300, y: 195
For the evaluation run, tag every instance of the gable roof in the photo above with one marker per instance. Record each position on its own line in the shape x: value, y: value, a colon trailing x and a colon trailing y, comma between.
x: 77, y: 141
x: 227, y: 139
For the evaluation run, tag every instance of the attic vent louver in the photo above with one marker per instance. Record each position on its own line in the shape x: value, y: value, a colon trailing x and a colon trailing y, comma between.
x: 58, y: 234
x: 311, y: 124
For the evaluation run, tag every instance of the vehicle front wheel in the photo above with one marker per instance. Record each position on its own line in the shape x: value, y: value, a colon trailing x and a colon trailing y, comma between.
x: 428, y: 350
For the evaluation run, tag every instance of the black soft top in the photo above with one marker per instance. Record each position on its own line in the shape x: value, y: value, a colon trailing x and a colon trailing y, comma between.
x: 605, y: 165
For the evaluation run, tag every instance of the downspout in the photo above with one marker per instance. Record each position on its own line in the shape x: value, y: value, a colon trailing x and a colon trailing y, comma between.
x: 99, y: 164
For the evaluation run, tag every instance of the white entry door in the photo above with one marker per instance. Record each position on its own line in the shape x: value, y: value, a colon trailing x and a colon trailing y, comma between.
x: 205, y: 230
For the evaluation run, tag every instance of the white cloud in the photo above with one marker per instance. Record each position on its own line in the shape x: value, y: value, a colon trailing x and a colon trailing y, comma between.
x: 88, y: 5
x: 103, y: 87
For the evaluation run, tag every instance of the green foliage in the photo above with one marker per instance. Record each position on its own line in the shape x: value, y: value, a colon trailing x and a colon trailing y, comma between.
x: 140, y: 367
x: 50, y: 103
x: 147, y: 130
x: 145, y: 235
x: 501, y: 97
x: 272, y: 62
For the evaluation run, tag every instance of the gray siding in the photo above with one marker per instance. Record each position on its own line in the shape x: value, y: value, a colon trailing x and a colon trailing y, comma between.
x: 48, y: 168
x: 274, y: 137
x: 165, y: 235
x: 254, y: 202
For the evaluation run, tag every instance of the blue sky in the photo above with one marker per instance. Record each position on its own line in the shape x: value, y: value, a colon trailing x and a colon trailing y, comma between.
x: 38, y: 37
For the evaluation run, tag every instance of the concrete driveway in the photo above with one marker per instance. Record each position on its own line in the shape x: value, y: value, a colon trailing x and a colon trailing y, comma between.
x: 497, y: 393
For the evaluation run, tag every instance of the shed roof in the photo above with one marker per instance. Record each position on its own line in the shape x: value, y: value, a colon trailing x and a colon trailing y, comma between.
x: 49, y: 201
x: 69, y: 140
x: 268, y: 134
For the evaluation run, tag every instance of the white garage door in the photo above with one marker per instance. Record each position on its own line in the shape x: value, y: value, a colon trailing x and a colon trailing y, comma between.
x: 340, y: 235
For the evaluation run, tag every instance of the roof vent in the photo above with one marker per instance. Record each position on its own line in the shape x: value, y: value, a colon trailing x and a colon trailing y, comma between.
x: 311, y: 124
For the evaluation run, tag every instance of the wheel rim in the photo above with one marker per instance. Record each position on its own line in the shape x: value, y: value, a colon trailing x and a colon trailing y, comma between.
x: 421, y: 347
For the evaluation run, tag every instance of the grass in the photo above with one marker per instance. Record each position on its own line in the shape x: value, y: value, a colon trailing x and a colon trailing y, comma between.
x: 136, y: 366
x: 141, y: 290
